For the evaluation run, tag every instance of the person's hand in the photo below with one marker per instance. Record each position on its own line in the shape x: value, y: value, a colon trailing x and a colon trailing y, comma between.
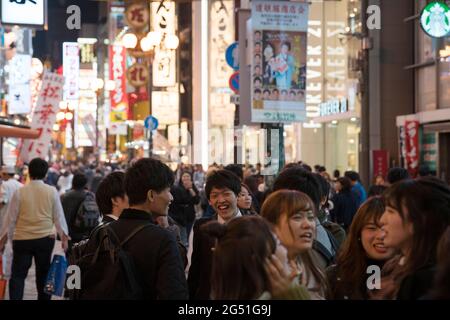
x: 279, y: 279
x: 65, y: 242
x: 3, y: 243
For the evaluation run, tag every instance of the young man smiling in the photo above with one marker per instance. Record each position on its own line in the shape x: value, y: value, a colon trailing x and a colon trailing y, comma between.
x: 222, y: 189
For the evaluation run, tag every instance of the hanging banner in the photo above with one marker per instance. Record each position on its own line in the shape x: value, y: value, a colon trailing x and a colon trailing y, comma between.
x: 380, y: 162
x: 412, y: 147
x: 279, y: 62
x: 19, y: 101
x: 71, y: 70
x: 429, y: 151
x: 165, y: 107
x: 222, y: 35
x: 44, y: 117
x: 119, y: 100
x: 163, y: 20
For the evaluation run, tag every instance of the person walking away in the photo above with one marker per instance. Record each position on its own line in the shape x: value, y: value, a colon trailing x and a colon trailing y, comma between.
x: 7, y: 189
x: 34, y: 211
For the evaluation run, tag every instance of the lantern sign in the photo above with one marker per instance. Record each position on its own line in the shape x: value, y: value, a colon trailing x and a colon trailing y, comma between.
x: 435, y: 19
x: 138, y: 75
x: 137, y: 15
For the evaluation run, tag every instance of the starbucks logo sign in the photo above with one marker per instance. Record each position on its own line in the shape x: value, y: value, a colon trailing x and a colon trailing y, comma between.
x: 435, y: 19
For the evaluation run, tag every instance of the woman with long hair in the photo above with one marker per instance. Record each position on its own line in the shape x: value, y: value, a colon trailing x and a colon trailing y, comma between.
x: 441, y: 289
x: 249, y: 262
x: 417, y: 215
x: 245, y: 201
x: 293, y: 215
x: 363, y: 247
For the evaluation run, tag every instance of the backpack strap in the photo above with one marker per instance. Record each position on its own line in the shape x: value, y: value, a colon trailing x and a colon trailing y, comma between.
x: 134, y: 232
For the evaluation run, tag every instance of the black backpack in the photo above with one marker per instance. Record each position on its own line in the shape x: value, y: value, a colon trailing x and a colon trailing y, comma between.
x: 107, y: 270
x: 87, y: 216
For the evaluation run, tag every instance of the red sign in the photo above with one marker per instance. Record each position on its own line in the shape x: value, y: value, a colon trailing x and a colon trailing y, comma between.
x: 380, y: 160
x: 119, y: 99
x: 412, y: 146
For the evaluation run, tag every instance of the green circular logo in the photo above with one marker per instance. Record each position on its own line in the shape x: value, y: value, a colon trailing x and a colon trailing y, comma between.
x: 435, y: 19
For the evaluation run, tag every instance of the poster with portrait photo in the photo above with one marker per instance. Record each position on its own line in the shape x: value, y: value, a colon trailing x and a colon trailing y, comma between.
x: 279, y: 58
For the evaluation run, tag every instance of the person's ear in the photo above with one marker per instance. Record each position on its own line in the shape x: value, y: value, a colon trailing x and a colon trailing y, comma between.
x: 150, y: 195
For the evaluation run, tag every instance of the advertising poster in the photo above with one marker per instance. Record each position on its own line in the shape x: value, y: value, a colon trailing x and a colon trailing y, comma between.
x: 279, y: 62
x: 71, y: 70
x: 429, y: 151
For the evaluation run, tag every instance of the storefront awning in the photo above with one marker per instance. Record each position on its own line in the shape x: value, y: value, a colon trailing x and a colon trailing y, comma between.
x: 16, y: 132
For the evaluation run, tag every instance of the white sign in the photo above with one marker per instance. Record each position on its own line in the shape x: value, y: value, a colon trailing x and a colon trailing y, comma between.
x: 18, y: 67
x: 71, y: 70
x: 24, y: 12
x: 165, y: 106
x: 334, y: 106
x: 278, y: 72
x: 44, y: 117
x: 163, y: 17
x: 282, y: 16
x: 120, y: 128
x: 19, y: 101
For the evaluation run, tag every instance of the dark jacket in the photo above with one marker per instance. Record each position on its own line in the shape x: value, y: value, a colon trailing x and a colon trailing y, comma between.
x: 418, y: 284
x: 199, y: 279
x: 107, y: 219
x: 345, y: 207
x: 340, y: 289
x: 182, y: 207
x: 156, y: 256
x: 71, y: 201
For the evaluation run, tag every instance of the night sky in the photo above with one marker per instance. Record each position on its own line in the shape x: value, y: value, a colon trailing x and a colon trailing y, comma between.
x: 48, y: 44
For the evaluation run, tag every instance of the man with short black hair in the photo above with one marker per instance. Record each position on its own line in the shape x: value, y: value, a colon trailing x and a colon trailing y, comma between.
x: 222, y: 189
x: 111, y: 197
x: 397, y: 174
x: 34, y: 211
x: 71, y: 202
x: 154, y: 250
x: 357, y: 187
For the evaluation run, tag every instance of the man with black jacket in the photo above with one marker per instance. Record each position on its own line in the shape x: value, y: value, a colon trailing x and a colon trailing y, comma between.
x: 222, y: 189
x: 154, y: 250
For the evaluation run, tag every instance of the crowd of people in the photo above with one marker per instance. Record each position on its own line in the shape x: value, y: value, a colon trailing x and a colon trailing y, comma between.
x: 143, y: 231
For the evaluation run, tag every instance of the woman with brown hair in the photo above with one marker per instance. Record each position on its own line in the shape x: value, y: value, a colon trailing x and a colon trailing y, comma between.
x: 249, y: 262
x: 245, y: 201
x: 363, y: 247
x: 417, y: 215
x: 293, y: 215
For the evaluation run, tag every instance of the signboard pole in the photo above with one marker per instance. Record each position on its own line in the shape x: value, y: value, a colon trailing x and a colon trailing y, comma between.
x: 149, y: 88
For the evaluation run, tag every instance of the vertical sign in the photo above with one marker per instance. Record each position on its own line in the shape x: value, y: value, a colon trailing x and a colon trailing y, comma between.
x: 19, y: 101
x: 71, y: 70
x: 279, y: 61
x: 380, y: 160
x: 221, y: 37
x: 44, y: 117
x: 429, y: 151
x: 119, y: 100
x: 412, y: 146
x: 163, y: 17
